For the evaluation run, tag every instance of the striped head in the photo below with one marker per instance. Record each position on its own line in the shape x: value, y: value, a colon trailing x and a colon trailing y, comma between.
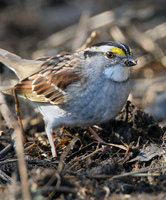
x: 116, y: 59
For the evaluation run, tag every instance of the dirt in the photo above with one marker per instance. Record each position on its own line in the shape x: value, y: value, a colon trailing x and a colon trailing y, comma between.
x: 86, y: 169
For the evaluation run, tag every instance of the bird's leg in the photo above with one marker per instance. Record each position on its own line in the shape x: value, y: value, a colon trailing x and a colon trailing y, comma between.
x: 103, y: 142
x: 18, y: 115
x: 95, y: 135
x: 52, y: 144
x: 104, y: 146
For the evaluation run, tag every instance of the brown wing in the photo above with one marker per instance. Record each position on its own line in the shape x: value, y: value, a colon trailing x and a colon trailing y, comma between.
x: 49, y: 84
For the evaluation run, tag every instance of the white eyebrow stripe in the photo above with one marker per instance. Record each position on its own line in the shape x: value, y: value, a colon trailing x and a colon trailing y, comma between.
x: 103, y: 48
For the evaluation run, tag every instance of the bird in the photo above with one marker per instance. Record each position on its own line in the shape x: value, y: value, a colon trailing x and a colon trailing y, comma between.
x: 77, y: 89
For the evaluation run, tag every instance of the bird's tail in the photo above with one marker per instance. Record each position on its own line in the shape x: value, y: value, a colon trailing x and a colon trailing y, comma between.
x: 22, y: 67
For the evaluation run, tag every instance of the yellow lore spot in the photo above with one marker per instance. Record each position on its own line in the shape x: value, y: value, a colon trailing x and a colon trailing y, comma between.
x: 118, y: 51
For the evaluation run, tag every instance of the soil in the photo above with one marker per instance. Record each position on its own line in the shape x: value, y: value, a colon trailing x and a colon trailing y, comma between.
x: 86, y: 169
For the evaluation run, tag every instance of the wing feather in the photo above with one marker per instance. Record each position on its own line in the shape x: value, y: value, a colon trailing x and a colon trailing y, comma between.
x: 50, y: 83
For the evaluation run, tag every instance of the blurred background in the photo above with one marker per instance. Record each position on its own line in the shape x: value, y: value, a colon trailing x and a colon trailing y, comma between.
x: 33, y: 29
x: 36, y: 28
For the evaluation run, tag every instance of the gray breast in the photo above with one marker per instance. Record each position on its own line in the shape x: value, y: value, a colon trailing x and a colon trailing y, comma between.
x: 99, y: 103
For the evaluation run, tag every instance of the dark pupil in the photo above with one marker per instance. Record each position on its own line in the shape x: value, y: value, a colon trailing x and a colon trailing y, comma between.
x: 109, y: 54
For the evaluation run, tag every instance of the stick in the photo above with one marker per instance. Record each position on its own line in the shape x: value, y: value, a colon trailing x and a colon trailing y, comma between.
x: 18, y: 115
x: 19, y: 146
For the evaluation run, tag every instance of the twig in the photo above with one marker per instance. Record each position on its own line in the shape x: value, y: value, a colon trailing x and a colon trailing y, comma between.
x: 4, y: 110
x: 81, y: 32
x: 89, y: 40
x: 61, y: 189
x: 18, y: 114
x: 105, y: 143
x: 5, y: 177
x: 67, y: 34
x: 83, y: 149
x: 117, y: 34
x: 7, y: 149
x: 157, y: 32
x: 136, y: 173
x: 107, y: 192
x: 19, y: 147
x: 65, y: 152
x: 145, y: 42
x: 8, y: 161
x: 85, y: 157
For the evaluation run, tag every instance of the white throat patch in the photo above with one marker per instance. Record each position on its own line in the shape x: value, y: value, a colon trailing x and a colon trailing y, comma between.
x: 117, y: 73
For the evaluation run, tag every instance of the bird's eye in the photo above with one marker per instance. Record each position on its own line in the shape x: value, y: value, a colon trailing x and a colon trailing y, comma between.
x: 109, y: 54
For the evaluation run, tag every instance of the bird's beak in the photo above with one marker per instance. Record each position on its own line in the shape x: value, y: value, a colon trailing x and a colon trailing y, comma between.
x: 129, y: 62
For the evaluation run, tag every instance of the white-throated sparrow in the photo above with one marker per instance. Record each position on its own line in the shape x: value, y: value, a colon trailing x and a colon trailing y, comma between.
x: 75, y: 89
